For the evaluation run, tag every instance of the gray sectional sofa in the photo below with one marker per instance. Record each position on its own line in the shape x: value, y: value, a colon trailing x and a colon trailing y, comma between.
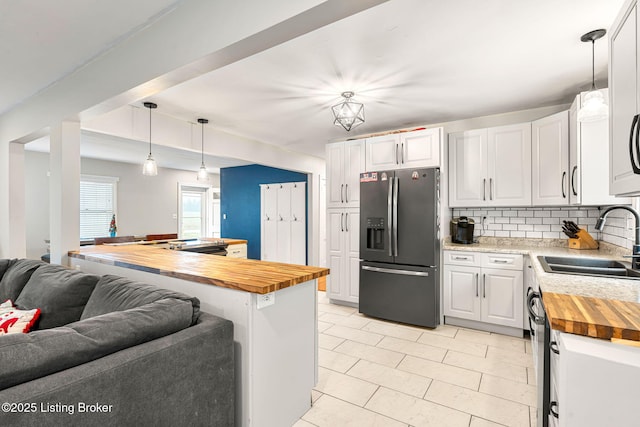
x: 108, y: 351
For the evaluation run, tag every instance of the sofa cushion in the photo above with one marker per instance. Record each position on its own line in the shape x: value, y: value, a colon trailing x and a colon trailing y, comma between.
x: 29, y: 356
x: 14, y: 321
x: 4, y: 265
x: 16, y: 276
x: 114, y: 293
x: 59, y: 293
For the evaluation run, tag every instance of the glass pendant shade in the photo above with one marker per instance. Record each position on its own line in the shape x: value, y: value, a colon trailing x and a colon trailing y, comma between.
x: 593, y: 108
x: 348, y: 113
x: 150, y: 168
x: 203, y: 175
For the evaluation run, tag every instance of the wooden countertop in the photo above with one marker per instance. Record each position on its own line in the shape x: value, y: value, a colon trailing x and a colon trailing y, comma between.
x: 259, y: 277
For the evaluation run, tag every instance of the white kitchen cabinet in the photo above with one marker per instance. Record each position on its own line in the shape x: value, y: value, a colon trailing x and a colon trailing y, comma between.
x: 624, y: 101
x: 345, y: 161
x: 417, y: 149
x: 550, y: 160
x: 283, y: 222
x: 490, y: 167
x: 237, y: 251
x: 343, y: 245
x: 485, y: 288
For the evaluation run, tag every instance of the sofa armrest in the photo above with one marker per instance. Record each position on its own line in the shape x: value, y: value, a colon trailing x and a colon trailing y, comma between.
x: 186, y: 377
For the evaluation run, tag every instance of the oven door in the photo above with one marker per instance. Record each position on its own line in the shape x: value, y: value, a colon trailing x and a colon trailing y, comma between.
x: 540, y: 335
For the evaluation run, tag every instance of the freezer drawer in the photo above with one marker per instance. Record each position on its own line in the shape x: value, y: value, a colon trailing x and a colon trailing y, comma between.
x: 400, y: 293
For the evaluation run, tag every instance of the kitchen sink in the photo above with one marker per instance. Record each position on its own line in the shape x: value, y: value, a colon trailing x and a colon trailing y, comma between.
x: 588, y: 267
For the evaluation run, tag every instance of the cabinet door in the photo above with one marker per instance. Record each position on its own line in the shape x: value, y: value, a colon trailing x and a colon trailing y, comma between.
x: 623, y: 91
x: 509, y: 165
x: 298, y: 201
x: 352, y: 253
x: 283, y: 203
x: 462, y: 292
x: 382, y: 153
x: 420, y: 149
x: 269, y: 250
x: 335, y: 255
x: 270, y: 201
x: 501, y: 295
x: 354, y: 164
x: 468, y: 168
x: 550, y: 160
x: 575, y: 169
x: 335, y: 159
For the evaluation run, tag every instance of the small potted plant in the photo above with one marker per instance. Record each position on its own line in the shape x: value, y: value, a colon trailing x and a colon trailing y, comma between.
x: 112, y: 226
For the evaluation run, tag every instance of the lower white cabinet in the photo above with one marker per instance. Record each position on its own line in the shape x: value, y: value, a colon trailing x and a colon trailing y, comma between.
x: 343, y: 245
x: 237, y: 251
x: 484, y: 287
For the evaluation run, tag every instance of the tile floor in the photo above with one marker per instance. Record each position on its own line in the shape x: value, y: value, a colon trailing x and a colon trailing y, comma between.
x: 378, y: 373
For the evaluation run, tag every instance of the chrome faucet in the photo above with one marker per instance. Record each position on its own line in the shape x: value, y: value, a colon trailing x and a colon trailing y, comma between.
x: 635, y: 258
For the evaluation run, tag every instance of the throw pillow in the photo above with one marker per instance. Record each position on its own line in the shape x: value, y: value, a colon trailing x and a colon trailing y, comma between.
x: 14, y: 321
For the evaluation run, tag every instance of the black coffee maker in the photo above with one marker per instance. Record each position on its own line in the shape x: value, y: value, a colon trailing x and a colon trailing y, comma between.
x: 462, y: 230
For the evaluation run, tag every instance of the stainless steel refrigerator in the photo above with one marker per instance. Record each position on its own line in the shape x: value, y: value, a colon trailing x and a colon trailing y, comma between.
x: 399, y: 246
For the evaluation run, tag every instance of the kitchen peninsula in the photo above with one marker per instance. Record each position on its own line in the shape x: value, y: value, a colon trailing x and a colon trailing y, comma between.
x: 273, y: 307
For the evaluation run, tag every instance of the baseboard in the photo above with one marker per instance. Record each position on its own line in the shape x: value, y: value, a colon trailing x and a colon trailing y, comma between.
x: 487, y: 327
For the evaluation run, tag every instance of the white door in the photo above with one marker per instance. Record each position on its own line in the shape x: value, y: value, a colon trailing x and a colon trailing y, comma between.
x: 509, y: 165
x: 354, y: 164
x: 461, y: 292
x: 298, y: 223
x: 335, y: 247
x: 623, y: 91
x: 550, y: 160
x: 352, y: 251
x: 420, y: 149
x: 468, y: 168
x: 335, y: 160
x: 501, y: 296
x: 382, y: 153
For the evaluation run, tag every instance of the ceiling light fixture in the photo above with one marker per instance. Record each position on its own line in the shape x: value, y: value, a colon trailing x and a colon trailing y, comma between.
x: 348, y: 113
x: 593, y: 108
x: 203, y: 175
x: 150, y: 168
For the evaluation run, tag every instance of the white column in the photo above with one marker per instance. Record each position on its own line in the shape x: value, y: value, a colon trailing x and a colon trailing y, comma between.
x: 13, y: 239
x: 64, y: 190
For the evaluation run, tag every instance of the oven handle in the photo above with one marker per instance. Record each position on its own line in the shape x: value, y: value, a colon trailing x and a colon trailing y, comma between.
x: 537, y: 319
x: 532, y: 330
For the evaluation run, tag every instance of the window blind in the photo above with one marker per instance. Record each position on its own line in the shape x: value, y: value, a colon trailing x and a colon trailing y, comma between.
x: 97, y: 205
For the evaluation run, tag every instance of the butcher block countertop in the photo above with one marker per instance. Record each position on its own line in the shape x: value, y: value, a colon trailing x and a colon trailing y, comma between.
x: 597, y: 307
x: 259, y: 277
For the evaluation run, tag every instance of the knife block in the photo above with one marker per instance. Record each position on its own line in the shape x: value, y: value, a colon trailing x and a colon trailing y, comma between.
x: 583, y: 241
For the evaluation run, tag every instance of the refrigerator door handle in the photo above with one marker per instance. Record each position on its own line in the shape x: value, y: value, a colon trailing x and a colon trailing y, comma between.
x: 395, y: 215
x: 389, y: 215
x: 392, y: 271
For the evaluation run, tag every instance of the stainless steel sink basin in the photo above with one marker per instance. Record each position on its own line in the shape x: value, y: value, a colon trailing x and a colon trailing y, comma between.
x: 588, y: 267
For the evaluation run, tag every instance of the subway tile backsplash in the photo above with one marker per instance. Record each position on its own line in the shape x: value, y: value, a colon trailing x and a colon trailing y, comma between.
x: 546, y: 223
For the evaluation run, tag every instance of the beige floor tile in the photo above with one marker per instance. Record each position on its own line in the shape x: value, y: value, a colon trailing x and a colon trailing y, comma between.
x: 323, y: 298
x: 370, y: 353
x: 405, y: 382
x: 322, y: 326
x: 392, y: 330
x: 329, y: 342
x: 332, y: 412
x: 479, y: 404
x: 454, y: 344
x: 355, y: 322
x: 363, y: 337
x: 494, y: 367
x: 513, y: 357
x: 510, y: 390
x: 444, y: 330
x: 414, y: 411
x: 303, y: 423
x: 527, y: 347
x: 479, y: 422
x: 315, y: 395
x: 533, y: 416
x: 454, y: 375
x: 413, y: 348
x: 337, y: 309
x: 495, y: 340
x: 531, y: 376
x: 335, y: 361
x: 344, y: 387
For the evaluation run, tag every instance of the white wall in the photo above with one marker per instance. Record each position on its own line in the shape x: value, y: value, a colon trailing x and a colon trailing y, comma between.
x: 145, y: 204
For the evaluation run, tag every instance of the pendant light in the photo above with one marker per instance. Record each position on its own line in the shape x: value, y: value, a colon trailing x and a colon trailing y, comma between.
x: 593, y: 108
x: 203, y: 175
x: 348, y: 113
x: 150, y: 168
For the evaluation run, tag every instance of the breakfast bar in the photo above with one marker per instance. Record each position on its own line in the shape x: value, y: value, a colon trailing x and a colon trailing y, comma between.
x: 273, y: 307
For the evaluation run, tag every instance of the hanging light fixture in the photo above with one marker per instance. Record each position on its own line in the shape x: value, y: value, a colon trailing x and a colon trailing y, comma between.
x: 203, y: 175
x: 150, y: 168
x: 593, y: 108
x: 348, y: 113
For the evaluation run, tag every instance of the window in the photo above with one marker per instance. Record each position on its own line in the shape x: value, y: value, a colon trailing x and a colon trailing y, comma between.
x: 194, y: 211
x: 97, y: 205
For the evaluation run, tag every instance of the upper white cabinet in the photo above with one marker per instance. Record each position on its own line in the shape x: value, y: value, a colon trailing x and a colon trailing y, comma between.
x: 624, y: 144
x: 417, y: 149
x: 490, y: 167
x: 550, y: 160
x: 345, y: 161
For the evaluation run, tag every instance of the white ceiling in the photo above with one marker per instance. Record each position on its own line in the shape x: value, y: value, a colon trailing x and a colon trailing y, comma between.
x: 411, y: 62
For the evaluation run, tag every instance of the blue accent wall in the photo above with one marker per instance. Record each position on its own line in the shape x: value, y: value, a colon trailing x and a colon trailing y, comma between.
x: 240, y: 201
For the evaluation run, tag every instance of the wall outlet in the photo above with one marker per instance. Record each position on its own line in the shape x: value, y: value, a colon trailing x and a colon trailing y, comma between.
x: 265, y: 300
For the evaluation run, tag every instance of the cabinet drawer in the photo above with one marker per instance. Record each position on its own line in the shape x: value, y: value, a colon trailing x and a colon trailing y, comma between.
x: 506, y: 261
x: 462, y: 258
x: 237, y: 251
